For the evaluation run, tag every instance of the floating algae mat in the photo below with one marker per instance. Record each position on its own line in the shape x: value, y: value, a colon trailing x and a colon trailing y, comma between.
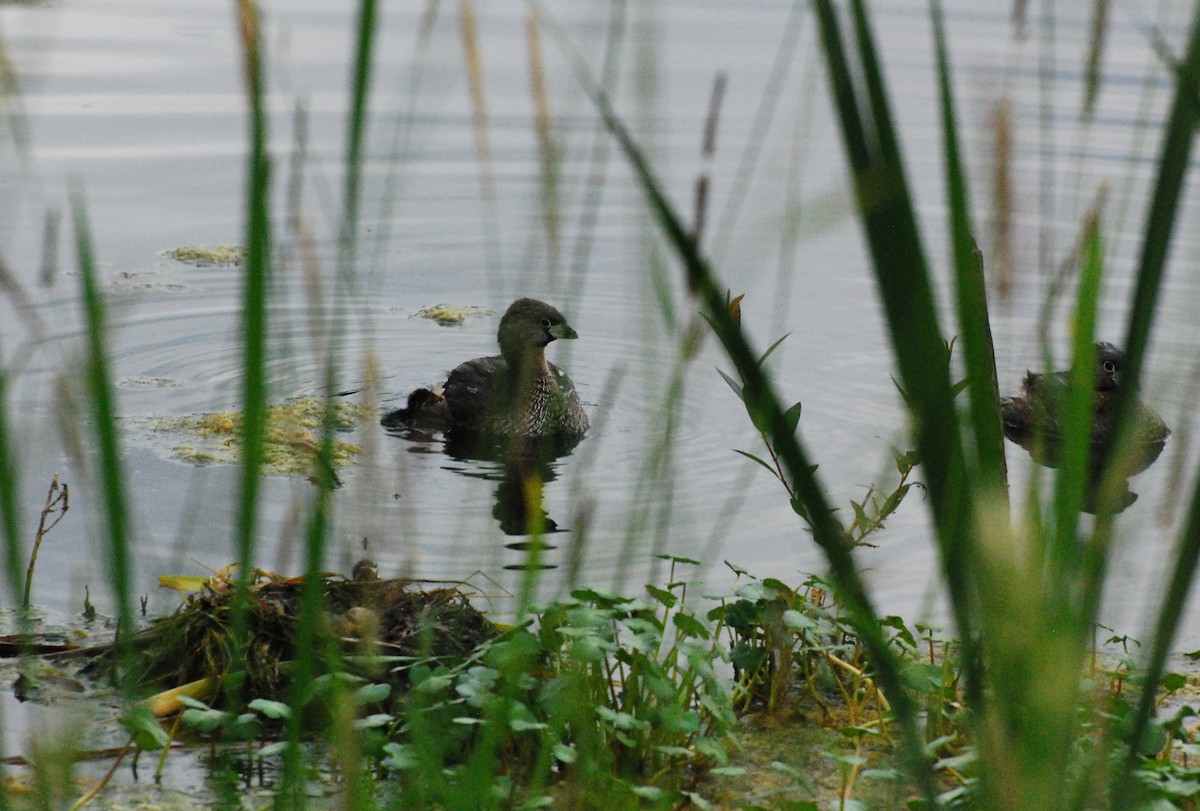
x: 369, y: 619
x: 293, y: 435
x: 449, y: 316
x: 208, y: 255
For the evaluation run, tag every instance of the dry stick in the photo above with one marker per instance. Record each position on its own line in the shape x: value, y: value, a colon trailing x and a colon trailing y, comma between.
x: 104, y: 781
x: 57, y: 504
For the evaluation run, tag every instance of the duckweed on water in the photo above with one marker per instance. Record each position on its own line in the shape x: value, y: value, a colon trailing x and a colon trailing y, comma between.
x: 291, y: 440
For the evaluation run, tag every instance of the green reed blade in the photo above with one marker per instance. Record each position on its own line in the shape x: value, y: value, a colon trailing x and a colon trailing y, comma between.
x: 254, y: 330
x: 368, y: 14
x: 104, y: 415
x: 1160, y: 220
x: 1173, y: 166
x: 902, y: 276
x: 760, y: 398
x: 1101, y: 11
x: 254, y: 296
x: 974, y: 323
x: 1074, y: 473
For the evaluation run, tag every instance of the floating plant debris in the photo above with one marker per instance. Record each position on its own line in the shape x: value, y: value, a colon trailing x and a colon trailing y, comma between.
x: 368, y: 618
x: 209, y: 255
x: 449, y: 316
x: 292, y: 437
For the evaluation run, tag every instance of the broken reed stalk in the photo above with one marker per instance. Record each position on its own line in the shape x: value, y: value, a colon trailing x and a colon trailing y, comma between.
x: 58, y: 501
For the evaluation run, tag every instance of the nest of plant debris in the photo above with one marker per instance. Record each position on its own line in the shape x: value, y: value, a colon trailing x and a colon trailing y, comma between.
x: 367, y: 619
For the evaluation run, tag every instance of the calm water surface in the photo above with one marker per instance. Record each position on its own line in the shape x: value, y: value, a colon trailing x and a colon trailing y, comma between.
x: 140, y: 106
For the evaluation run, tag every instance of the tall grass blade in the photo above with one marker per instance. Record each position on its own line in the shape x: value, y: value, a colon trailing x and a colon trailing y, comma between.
x: 254, y: 322
x: 479, y: 120
x: 1173, y: 165
x: 360, y: 87
x: 1095, y: 55
x: 758, y: 392
x: 974, y: 323
x: 104, y: 415
x: 768, y: 103
x: 1074, y: 475
x: 547, y: 147
x: 254, y: 296
x: 902, y: 276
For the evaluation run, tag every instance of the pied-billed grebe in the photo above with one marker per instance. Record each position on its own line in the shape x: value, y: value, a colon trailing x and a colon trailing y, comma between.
x: 517, y: 393
x: 1031, y: 419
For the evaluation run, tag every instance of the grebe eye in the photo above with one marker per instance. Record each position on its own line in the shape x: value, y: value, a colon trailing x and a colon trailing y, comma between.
x: 546, y: 323
x: 1109, y: 366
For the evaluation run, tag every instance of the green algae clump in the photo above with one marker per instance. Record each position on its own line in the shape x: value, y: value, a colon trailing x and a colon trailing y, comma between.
x: 449, y: 316
x: 209, y: 255
x: 291, y: 441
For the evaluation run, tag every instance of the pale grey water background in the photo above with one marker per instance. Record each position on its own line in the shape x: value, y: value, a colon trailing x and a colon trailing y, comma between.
x: 142, y: 103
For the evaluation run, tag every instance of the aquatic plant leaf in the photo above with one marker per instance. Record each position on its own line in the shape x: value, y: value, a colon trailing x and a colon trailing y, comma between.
x: 792, y: 416
x: 678, y: 559
x: 522, y: 725
x: 272, y: 709
x: 754, y: 458
x: 756, y: 592
x: 399, y: 756
x: 798, y: 620
x: 791, y: 772
x: 747, y: 656
x: 652, y: 793
x: 275, y: 749
x: 147, y: 733
x: 763, y: 358
x: 672, y: 751
x: 565, y: 753
x: 690, y: 626
x: 859, y: 731
x: 206, y: 720
x: 621, y: 720
x: 371, y: 694
x: 434, y: 683
x: 675, y: 719
x: 663, y: 596
x: 599, y: 596
x: 740, y: 572
x: 374, y: 721
x: 733, y: 384
x: 245, y: 727
x: 478, y: 684
x: 711, y: 749
x: 1173, y: 681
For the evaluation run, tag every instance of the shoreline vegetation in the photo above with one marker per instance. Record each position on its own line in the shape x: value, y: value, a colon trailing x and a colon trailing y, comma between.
x: 361, y: 693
